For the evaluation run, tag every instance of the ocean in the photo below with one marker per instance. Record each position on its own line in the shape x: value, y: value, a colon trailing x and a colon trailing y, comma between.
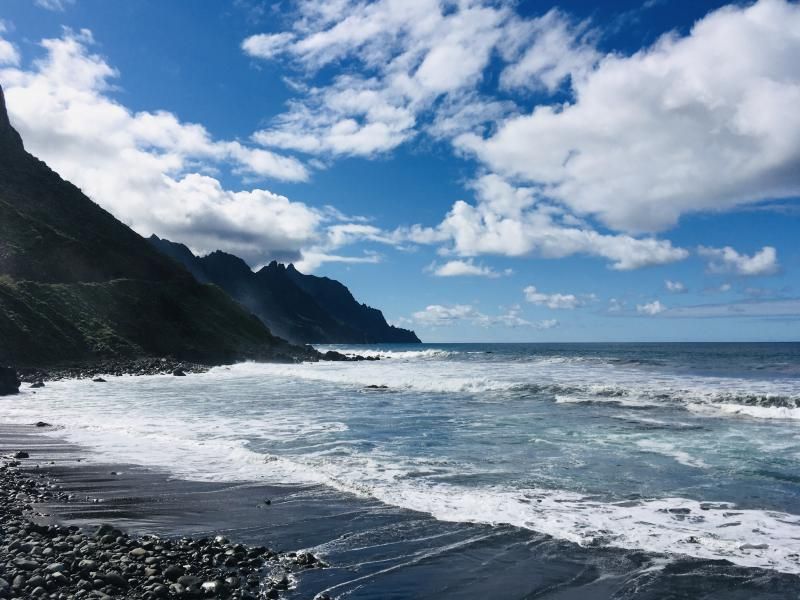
x: 671, y: 467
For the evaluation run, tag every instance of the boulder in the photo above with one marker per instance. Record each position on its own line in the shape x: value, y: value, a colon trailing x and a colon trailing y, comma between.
x: 9, y: 382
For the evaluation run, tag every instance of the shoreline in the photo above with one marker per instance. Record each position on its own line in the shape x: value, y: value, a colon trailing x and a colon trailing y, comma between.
x: 374, y: 549
x: 44, y: 552
x: 160, y: 366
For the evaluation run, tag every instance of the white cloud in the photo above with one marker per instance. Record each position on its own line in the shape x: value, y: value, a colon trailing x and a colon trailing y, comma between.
x: 615, y: 305
x: 8, y: 52
x: 711, y: 126
x: 546, y: 51
x: 515, y: 221
x: 54, y: 5
x: 438, y: 315
x: 651, y: 308
x: 546, y: 324
x: 313, y: 258
x: 704, y: 122
x: 417, y: 67
x: 728, y: 260
x: 154, y: 172
x: 460, y: 268
x: 267, y: 45
x: 563, y: 301
x: 676, y: 287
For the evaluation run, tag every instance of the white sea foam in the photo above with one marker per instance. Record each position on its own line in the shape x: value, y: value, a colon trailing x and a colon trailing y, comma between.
x: 427, y: 353
x: 253, y: 422
x: 750, y: 538
x: 667, y: 449
x: 566, y: 381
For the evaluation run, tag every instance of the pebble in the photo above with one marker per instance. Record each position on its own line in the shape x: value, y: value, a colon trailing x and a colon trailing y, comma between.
x: 56, y: 561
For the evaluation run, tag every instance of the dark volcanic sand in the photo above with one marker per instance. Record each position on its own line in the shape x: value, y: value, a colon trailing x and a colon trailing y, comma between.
x: 373, y: 550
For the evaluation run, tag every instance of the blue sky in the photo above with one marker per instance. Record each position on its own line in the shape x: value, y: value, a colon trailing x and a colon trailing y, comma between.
x: 478, y: 169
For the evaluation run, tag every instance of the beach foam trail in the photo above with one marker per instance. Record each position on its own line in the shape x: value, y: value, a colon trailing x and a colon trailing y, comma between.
x: 585, y: 450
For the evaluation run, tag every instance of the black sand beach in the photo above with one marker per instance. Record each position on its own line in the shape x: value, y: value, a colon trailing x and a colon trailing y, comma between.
x: 372, y: 550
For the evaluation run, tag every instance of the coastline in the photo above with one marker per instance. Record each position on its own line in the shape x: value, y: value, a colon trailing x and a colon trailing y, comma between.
x: 371, y: 550
x: 145, y: 365
x: 70, y: 527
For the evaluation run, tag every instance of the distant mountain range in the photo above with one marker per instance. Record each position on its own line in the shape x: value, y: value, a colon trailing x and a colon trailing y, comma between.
x: 303, y: 309
x: 76, y: 284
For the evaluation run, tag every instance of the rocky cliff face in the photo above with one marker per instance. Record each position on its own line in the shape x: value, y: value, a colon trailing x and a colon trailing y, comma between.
x: 77, y: 284
x: 301, y: 308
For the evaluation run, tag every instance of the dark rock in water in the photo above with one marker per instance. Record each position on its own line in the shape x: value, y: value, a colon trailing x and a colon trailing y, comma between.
x: 377, y: 387
x: 21, y: 454
x: 9, y: 382
x: 680, y: 511
x: 38, y: 384
x: 179, y: 373
x: 99, y: 380
x: 335, y: 356
x: 42, y: 424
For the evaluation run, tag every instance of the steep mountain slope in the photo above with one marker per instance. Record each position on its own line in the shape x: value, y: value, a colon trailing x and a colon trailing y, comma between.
x: 300, y: 308
x: 76, y: 284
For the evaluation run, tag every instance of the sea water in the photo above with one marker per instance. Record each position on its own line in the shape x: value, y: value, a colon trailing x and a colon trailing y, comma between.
x: 688, y: 450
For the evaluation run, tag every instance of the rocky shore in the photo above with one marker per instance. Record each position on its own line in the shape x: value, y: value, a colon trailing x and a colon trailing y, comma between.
x: 43, y: 559
x: 114, y: 367
x: 139, y: 366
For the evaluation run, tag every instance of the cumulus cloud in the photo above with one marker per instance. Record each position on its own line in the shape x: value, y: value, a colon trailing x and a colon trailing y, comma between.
x: 651, y: 308
x: 515, y: 221
x: 728, y: 260
x: 460, y: 268
x: 563, y: 301
x: 676, y: 287
x: 706, y: 121
x: 438, y: 315
x: 154, y: 171
x: 711, y: 127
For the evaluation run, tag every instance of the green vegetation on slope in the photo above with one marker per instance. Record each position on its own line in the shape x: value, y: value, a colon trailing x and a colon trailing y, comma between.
x: 76, y: 284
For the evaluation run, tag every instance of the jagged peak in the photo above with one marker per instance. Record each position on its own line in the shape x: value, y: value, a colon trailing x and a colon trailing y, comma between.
x: 4, y: 122
x: 7, y: 132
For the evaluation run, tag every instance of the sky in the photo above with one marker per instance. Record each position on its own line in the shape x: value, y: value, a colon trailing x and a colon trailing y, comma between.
x: 480, y: 170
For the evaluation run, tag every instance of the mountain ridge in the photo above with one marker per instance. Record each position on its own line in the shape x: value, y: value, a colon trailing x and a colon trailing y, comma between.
x: 301, y: 308
x: 76, y: 284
